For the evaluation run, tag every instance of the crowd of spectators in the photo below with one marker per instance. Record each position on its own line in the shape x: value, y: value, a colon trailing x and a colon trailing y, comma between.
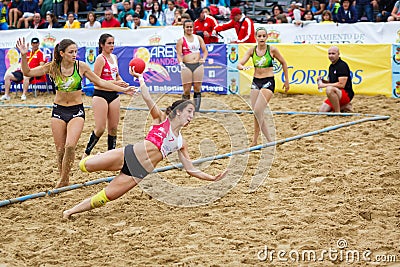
x: 16, y: 14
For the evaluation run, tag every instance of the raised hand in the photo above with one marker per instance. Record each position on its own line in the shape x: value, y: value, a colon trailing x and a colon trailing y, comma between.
x: 22, y: 46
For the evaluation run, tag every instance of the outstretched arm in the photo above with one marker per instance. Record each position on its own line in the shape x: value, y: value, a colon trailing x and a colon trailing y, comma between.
x: 155, y: 111
x: 192, y: 171
x: 23, y: 49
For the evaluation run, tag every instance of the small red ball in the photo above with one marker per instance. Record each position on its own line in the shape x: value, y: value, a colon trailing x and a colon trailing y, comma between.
x: 139, y: 64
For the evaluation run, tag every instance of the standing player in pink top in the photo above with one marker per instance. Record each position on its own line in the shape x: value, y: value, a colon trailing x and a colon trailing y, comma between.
x: 136, y: 161
x: 191, y: 61
x: 106, y: 102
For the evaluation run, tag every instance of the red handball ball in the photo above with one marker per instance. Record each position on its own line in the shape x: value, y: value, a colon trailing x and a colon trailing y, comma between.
x: 139, y: 64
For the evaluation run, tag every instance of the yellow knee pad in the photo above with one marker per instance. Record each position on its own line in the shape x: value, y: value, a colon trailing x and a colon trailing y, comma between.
x: 98, y: 200
x: 82, y: 163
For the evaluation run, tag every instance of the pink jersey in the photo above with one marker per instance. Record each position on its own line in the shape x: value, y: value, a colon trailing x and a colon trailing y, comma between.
x: 109, y: 71
x: 162, y: 136
x: 190, y: 47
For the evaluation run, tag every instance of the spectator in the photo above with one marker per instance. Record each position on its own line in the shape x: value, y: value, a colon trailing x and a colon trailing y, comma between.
x: 276, y: 11
x: 282, y: 18
x: 147, y: 5
x: 92, y: 23
x: 14, y: 14
x: 317, y: 8
x: 28, y: 9
x: 271, y: 20
x: 182, y: 4
x: 51, y: 21
x: 295, y: 8
x: 333, y: 7
x: 347, y: 13
x: 45, y: 6
x: 128, y: 21
x: 178, y: 17
x: 195, y: 8
x: 72, y: 23
x: 327, y: 17
x: 127, y: 10
x: 307, y: 18
x: 37, y: 22
x: 364, y: 6
x: 74, y: 6
x: 117, y: 6
x: 3, y: 15
x: 170, y: 13
x: 109, y: 20
x: 35, y: 58
x: 395, y: 14
x: 138, y: 22
x: 153, y: 20
x: 140, y: 10
x: 204, y: 25
x: 164, y: 5
x: 156, y: 11
x: 58, y: 8
x: 385, y: 9
x: 243, y: 25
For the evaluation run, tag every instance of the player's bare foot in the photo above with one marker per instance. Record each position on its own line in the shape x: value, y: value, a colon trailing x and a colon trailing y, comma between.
x: 62, y: 183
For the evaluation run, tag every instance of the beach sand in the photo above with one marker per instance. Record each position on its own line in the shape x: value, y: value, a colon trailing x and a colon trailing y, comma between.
x: 338, y: 190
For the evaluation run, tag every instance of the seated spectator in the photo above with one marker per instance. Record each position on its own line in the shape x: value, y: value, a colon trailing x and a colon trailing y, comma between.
x: 281, y: 18
x: 327, y: 17
x: 127, y: 21
x: 74, y: 6
x: 14, y: 13
x: 182, y: 4
x: 35, y: 58
x: 3, y: 15
x: 170, y: 13
x: 195, y: 8
x: 271, y: 20
x: 178, y: 17
x: 127, y: 10
x: 153, y: 20
x: 333, y: 7
x: 72, y: 23
x: 117, y: 6
x: 385, y: 9
x: 295, y: 8
x: 277, y: 10
x: 37, y: 22
x: 204, y: 25
x: 164, y: 5
x: 347, y: 13
x: 181, y: 19
x: 364, y: 6
x: 307, y: 18
x: 156, y: 11
x: 395, y: 14
x: 92, y: 23
x: 28, y: 9
x: 317, y: 8
x: 140, y: 10
x: 51, y: 21
x: 109, y: 20
x: 138, y: 22
x: 147, y: 5
x: 45, y: 6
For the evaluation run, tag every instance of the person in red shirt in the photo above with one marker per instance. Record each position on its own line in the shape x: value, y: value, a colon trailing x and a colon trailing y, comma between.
x: 109, y: 20
x: 35, y: 58
x: 243, y: 25
x: 204, y: 25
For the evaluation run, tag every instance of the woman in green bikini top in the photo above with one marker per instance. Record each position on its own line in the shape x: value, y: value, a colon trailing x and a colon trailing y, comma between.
x: 263, y: 86
x: 68, y: 115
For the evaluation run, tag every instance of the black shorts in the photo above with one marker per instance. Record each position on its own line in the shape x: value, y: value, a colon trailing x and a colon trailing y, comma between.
x: 132, y: 166
x: 109, y: 96
x: 267, y: 83
x: 18, y: 75
x: 68, y: 113
x: 192, y: 66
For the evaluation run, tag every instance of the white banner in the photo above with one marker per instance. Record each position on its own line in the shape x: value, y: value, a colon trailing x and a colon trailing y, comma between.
x: 362, y: 33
